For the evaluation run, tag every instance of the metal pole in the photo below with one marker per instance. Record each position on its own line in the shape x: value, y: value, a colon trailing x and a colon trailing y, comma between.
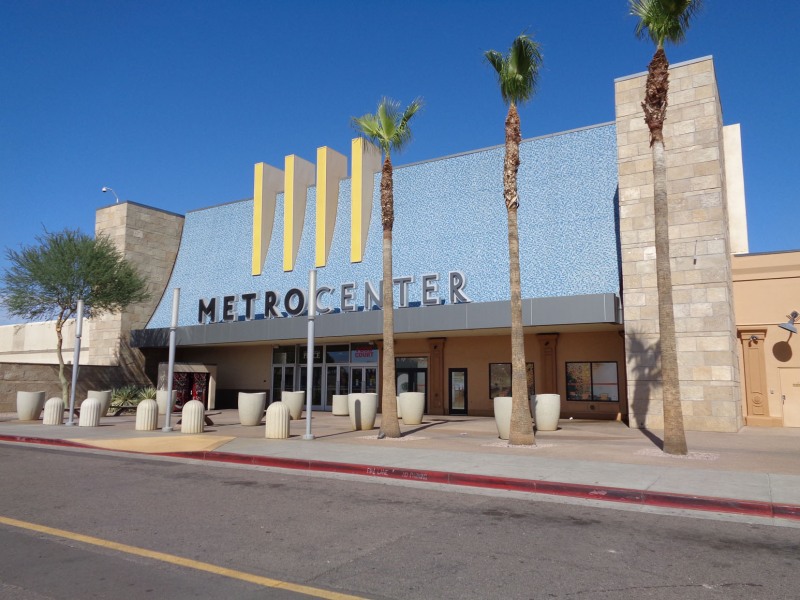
x: 312, y: 312
x: 76, y: 358
x: 176, y: 298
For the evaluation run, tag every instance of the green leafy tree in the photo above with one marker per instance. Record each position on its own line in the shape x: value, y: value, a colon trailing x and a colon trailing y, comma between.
x: 517, y: 75
x: 388, y: 129
x: 663, y: 21
x: 46, y: 280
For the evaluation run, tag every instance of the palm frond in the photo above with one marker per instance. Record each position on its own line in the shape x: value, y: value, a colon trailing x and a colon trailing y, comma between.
x: 517, y: 71
x: 387, y: 128
x: 664, y: 20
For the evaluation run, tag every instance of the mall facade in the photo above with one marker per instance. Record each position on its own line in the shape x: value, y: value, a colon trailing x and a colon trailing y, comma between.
x: 588, y: 277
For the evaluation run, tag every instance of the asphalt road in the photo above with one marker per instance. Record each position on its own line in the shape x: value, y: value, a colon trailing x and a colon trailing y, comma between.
x: 372, y: 539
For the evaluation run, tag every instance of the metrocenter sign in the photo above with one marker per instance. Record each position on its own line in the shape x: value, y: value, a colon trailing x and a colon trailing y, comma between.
x: 294, y: 302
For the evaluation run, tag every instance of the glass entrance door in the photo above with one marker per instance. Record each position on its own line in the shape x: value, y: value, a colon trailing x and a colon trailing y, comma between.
x: 364, y: 380
x: 282, y: 379
x: 413, y: 380
x: 316, y: 386
x: 337, y: 381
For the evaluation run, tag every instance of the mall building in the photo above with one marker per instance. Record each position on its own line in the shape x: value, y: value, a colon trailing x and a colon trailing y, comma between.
x: 588, y: 279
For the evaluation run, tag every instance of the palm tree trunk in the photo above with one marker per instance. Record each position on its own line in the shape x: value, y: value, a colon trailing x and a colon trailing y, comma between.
x: 655, y: 108
x: 390, y: 426
x: 521, y: 431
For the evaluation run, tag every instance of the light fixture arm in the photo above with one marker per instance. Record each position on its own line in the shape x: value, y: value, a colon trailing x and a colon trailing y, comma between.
x: 108, y: 189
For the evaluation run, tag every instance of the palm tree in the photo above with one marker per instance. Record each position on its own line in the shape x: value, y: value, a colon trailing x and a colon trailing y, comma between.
x: 662, y: 21
x: 517, y: 74
x: 388, y: 129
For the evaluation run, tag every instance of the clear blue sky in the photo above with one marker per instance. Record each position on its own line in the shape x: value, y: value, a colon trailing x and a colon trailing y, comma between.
x: 171, y: 103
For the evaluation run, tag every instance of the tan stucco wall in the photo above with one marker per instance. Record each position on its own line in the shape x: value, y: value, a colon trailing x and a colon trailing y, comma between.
x: 475, y: 353
x: 238, y: 367
x: 700, y: 252
x: 766, y: 289
x: 35, y: 343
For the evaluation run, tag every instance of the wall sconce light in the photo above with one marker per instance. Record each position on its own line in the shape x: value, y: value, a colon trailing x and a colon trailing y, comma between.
x: 789, y: 325
x: 753, y: 338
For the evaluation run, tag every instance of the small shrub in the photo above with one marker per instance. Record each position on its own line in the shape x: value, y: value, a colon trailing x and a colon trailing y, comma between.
x: 125, y: 396
x: 147, y: 393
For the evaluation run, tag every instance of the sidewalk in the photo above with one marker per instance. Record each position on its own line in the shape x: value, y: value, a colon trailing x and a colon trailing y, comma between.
x: 753, y: 472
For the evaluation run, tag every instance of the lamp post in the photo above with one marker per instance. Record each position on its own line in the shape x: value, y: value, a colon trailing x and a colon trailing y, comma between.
x: 176, y: 298
x: 76, y: 357
x: 108, y: 189
x: 312, y: 312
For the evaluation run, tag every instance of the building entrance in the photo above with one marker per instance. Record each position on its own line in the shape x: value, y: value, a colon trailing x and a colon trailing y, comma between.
x: 338, y: 369
x: 412, y: 376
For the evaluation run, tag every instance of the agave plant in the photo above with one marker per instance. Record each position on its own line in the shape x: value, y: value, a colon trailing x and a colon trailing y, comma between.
x: 126, y: 395
x: 147, y: 393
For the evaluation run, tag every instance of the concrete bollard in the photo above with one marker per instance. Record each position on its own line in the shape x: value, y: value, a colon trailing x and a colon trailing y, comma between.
x: 147, y: 415
x: 193, y: 417
x: 278, y: 418
x: 53, y: 412
x: 90, y: 412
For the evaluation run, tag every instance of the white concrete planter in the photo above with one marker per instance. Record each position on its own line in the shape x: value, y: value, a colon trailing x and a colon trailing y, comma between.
x: 399, y: 408
x: 251, y: 407
x: 161, y: 400
x: 502, y: 416
x: 546, y: 409
x: 363, y: 409
x: 413, y: 404
x: 339, y: 405
x: 104, y: 397
x: 29, y: 405
x: 295, y: 402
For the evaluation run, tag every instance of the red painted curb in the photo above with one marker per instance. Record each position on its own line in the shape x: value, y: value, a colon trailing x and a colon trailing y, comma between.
x: 553, y: 488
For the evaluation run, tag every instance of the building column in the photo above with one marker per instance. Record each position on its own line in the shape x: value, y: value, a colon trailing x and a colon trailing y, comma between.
x: 436, y: 378
x: 549, y: 377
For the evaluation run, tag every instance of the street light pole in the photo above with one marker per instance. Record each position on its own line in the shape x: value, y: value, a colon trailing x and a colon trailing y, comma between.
x: 176, y: 298
x: 312, y: 312
x: 76, y: 357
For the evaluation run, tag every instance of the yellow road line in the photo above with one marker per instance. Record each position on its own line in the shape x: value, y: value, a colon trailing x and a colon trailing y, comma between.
x: 180, y: 561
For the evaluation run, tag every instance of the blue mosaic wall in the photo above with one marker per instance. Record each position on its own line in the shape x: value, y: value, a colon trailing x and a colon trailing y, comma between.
x: 449, y: 216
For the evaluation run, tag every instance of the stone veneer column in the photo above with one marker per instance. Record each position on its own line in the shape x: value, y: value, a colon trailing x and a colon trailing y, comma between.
x: 700, y: 252
x: 148, y: 238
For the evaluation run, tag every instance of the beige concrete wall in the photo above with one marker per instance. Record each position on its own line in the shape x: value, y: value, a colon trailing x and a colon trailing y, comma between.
x: 700, y: 252
x: 149, y: 238
x: 734, y: 187
x: 766, y: 289
x: 35, y: 343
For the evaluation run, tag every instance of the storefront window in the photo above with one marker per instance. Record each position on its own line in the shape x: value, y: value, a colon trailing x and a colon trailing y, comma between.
x: 411, y: 363
x: 500, y: 379
x: 284, y: 355
x: 317, y: 355
x: 337, y: 353
x: 592, y: 381
x: 364, y: 353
